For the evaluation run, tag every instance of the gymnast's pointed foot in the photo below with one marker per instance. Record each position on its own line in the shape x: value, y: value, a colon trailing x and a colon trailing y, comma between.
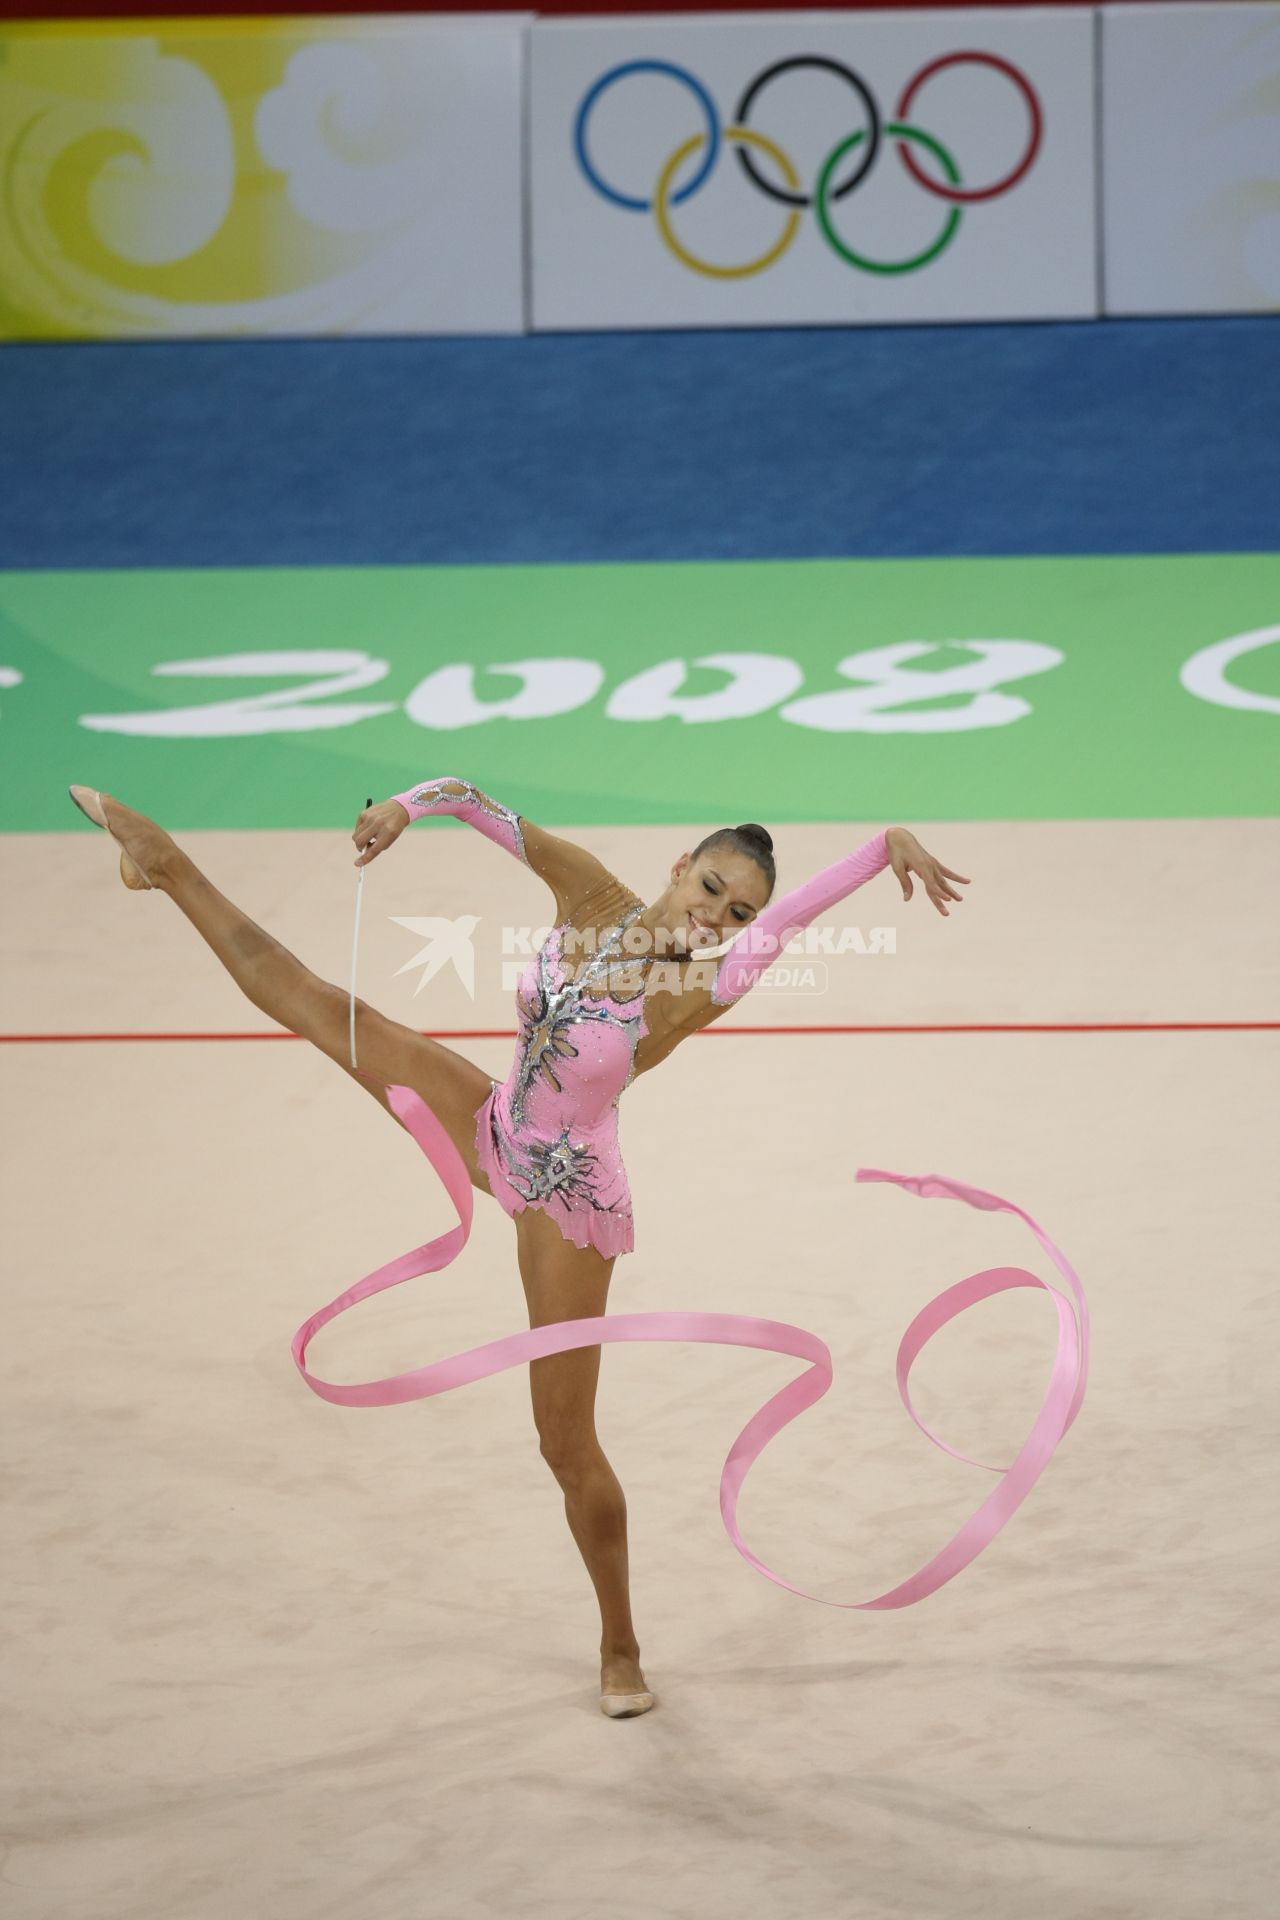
x: 145, y: 847
x: 622, y: 1688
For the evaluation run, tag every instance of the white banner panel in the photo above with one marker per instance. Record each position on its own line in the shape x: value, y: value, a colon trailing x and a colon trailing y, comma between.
x: 1191, y: 158
x: 783, y: 168
x: 262, y: 175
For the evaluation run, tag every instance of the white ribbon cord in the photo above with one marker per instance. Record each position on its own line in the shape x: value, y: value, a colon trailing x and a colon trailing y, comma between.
x: 355, y: 948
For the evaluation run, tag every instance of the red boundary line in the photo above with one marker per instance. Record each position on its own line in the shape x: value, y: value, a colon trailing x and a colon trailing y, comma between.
x: 508, y: 1033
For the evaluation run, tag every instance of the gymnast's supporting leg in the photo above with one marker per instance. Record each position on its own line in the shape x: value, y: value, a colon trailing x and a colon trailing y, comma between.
x: 564, y: 1282
x: 596, y: 1510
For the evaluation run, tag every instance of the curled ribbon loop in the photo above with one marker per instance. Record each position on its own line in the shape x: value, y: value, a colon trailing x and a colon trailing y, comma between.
x: 1057, y: 1412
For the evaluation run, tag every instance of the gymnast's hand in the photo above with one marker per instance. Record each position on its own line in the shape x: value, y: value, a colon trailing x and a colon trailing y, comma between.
x: 377, y: 827
x: 907, y: 856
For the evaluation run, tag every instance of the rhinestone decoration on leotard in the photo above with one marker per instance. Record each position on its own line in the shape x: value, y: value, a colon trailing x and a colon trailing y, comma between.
x: 465, y: 790
x: 558, y: 1005
x: 556, y: 1166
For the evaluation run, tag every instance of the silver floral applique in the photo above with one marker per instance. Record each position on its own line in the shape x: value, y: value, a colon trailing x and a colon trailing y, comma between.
x: 555, y: 1007
x: 540, y: 1168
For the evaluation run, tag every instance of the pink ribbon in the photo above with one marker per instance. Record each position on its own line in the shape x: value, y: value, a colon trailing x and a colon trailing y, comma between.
x: 1057, y: 1412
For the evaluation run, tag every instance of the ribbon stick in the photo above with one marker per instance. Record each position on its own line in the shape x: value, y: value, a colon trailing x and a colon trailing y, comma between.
x: 1057, y: 1412
x: 355, y: 948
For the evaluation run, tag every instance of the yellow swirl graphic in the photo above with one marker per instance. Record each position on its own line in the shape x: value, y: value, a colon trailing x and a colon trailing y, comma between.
x: 197, y: 179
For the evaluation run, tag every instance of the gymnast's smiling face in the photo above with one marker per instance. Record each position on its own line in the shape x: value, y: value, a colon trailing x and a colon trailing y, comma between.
x: 712, y: 898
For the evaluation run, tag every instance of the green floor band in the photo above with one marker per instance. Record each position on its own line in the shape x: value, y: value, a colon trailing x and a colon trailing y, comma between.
x: 973, y: 689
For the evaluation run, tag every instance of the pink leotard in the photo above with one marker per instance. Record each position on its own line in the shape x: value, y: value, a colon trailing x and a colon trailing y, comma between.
x: 547, y: 1136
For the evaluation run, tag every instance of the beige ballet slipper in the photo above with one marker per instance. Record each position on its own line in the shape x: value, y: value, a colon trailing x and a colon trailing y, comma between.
x: 90, y: 804
x: 619, y: 1706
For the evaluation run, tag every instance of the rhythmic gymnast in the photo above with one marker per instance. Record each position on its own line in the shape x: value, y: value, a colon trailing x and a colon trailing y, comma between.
x: 544, y: 1142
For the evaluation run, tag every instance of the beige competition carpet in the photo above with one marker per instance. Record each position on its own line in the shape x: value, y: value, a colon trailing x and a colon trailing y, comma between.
x: 271, y: 1657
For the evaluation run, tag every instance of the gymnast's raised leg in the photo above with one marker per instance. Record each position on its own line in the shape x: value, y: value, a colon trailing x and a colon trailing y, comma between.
x: 288, y: 992
x: 561, y: 1281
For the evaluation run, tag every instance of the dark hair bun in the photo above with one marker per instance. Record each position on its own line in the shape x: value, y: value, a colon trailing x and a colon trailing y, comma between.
x: 754, y: 832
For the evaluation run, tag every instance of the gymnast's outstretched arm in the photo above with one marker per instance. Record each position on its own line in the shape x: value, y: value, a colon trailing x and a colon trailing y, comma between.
x: 746, y: 958
x: 569, y: 870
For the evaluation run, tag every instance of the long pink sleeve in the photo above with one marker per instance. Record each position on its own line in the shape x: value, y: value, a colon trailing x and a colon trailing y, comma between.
x: 446, y: 794
x: 760, y: 942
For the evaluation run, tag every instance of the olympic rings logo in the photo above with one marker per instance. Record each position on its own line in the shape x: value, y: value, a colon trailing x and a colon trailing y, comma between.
x: 860, y: 149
